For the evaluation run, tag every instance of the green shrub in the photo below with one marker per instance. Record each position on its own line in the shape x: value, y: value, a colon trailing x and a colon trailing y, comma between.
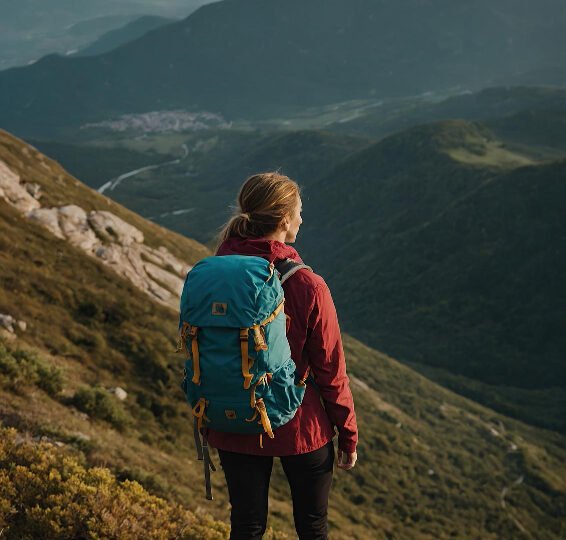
x: 46, y: 494
x: 8, y: 364
x: 22, y: 368
x: 150, y: 481
x: 87, y: 339
x: 98, y: 403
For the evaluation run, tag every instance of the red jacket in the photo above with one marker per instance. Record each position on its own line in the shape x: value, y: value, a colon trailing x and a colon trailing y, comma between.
x: 314, y: 337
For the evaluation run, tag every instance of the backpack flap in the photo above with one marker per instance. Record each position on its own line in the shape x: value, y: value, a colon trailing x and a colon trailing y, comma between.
x: 232, y: 291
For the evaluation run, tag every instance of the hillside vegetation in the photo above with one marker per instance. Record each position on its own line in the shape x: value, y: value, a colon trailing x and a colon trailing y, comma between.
x: 432, y: 464
x: 46, y: 493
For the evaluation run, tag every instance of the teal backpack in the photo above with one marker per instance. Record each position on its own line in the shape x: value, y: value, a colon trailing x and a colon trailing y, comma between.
x: 239, y: 375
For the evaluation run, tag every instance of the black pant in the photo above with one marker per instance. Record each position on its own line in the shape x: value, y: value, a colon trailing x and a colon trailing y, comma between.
x: 310, y: 478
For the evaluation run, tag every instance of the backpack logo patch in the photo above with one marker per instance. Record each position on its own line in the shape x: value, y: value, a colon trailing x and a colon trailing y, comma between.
x: 230, y: 414
x: 219, y: 309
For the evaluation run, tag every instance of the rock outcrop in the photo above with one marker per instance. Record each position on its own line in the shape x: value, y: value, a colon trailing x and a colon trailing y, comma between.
x: 119, y: 392
x: 103, y: 235
x: 13, y: 191
x: 9, y: 323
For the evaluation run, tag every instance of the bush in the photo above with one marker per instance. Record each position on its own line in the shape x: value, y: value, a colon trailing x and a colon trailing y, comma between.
x: 46, y: 494
x: 98, y: 403
x: 150, y: 481
x: 145, y: 351
x: 22, y: 368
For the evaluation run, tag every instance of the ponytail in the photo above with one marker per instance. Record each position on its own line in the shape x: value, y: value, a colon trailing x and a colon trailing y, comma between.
x: 263, y: 202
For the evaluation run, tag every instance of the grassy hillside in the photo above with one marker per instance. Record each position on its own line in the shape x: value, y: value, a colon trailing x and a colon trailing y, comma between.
x: 432, y: 464
x: 59, y: 187
x: 539, y: 133
x: 315, y: 53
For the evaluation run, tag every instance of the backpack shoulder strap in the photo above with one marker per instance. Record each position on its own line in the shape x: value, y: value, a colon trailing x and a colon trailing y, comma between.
x: 288, y: 267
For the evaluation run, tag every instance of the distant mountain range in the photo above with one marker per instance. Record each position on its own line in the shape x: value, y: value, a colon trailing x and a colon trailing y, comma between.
x: 262, y: 58
x: 30, y: 29
x: 131, y: 31
x: 431, y: 463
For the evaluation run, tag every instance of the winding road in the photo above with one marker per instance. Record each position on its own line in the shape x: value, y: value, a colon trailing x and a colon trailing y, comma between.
x: 115, y: 182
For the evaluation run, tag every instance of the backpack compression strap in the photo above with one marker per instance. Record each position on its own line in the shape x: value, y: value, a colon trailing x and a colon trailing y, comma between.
x: 288, y: 267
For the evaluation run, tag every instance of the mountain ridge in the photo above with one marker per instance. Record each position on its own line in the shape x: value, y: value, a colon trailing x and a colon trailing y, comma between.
x: 216, y: 60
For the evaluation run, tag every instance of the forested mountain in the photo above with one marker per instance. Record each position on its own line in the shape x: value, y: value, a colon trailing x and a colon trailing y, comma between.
x: 455, y: 244
x: 262, y: 58
x: 431, y: 463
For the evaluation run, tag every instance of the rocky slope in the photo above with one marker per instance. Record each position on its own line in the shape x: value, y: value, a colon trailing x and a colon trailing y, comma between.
x: 101, y: 234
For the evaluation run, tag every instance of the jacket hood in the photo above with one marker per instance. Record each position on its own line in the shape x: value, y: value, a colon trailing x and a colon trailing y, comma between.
x: 272, y: 250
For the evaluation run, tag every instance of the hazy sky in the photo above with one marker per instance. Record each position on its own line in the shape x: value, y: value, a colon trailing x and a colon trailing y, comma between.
x: 30, y: 29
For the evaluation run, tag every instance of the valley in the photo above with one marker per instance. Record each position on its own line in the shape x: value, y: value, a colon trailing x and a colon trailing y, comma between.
x: 416, y: 193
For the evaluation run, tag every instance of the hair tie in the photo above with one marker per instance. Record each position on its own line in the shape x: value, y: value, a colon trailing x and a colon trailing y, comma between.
x: 245, y: 215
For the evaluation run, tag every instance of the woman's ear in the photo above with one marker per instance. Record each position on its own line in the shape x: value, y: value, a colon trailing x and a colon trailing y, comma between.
x: 286, y: 223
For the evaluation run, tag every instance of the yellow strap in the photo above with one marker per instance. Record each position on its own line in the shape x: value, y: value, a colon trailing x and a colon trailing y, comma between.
x: 274, y: 314
x: 259, y: 339
x: 264, y: 419
x: 244, y: 333
x: 253, y: 417
x: 252, y: 397
x: 198, y: 411
x: 262, y: 380
x: 261, y: 440
x: 195, y: 354
x: 258, y: 329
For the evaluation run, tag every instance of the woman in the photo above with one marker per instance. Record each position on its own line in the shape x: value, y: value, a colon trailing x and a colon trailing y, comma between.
x: 268, y: 219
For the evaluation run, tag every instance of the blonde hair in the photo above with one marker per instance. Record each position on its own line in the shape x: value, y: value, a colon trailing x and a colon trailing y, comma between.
x: 263, y: 201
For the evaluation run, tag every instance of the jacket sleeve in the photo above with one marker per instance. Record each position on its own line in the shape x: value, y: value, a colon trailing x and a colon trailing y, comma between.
x: 328, y: 366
